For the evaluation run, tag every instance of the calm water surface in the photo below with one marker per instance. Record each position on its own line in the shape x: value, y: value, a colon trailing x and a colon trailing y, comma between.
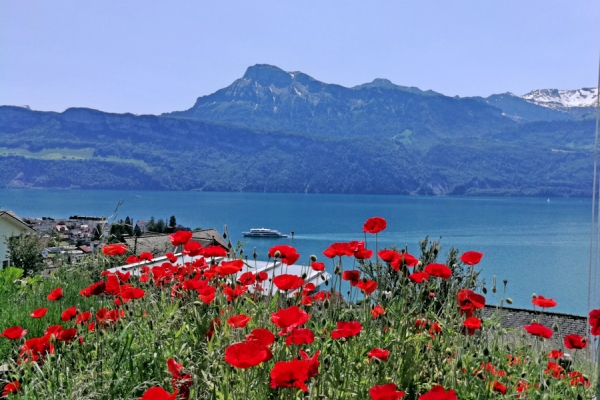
x: 537, y: 245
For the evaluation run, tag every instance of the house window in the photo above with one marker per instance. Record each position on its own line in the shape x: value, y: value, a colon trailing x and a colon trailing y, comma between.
x: 4, y: 264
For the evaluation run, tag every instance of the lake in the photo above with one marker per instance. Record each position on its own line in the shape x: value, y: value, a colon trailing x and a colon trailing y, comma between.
x: 538, y: 245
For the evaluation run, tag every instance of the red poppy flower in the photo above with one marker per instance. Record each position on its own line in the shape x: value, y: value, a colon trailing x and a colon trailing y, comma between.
x: 555, y: 369
x: 555, y: 354
x: 214, y: 251
x: 56, y: 294
x: 193, y: 248
x: 538, y: 330
x: 292, y: 373
x: 595, y: 322
x: 95, y: 289
x: 38, y: 313
x: 388, y: 255
x: 83, y: 317
x: 573, y: 342
x: 239, y: 321
x: 132, y: 260
x: 353, y: 276
x: 374, y: 225
x: 378, y: 353
x: 577, y: 378
x: 289, y: 318
x: 247, y: 278
x: 36, y: 348
x: 133, y: 294
x: 322, y: 295
x: 288, y: 282
x: 12, y: 387
x: 439, y: 393
x: 346, y: 329
x: 53, y: 330
x: 180, y: 237
x: 287, y: 254
x: 300, y: 336
x: 262, y: 276
x: 498, y: 387
x: 207, y: 294
x: 472, y: 324
x: 247, y: 354
x: 114, y: 249
x: 367, y: 286
x: 313, y: 362
x: 171, y: 257
x: 377, y: 311
x: 233, y: 293
x: 471, y: 257
x: 158, y: 393
x: 69, y: 314
x: 543, y: 302
x: 229, y: 267
x: 404, y: 258
x: 308, y: 288
x: 439, y: 270
x: 66, y: 335
x: 418, y: 277
x: 385, y: 392
x: 262, y: 336
x: 14, y: 333
x: 338, y: 249
x: 468, y: 301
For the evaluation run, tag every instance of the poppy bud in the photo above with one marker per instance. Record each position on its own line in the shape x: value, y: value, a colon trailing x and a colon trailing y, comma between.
x: 326, y: 304
x: 376, y: 360
x: 555, y: 327
x: 313, y: 258
x: 509, y: 300
x: 277, y: 254
x: 494, y: 289
x: 326, y: 283
x: 486, y: 352
x: 459, y: 363
x: 304, y: 275
x: 241, y: 252
x: 254, y: 254
x: 484, y: 290
x: 533, y: 296
x: 224, y: 235
x: 337, y: 270
x: 505, y: 282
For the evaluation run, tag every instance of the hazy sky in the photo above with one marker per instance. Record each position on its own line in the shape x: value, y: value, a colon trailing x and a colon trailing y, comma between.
x: 157, y: 56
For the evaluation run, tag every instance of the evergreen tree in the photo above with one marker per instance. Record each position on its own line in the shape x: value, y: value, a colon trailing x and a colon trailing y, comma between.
x: 137, y: 231
x: 160, y: 226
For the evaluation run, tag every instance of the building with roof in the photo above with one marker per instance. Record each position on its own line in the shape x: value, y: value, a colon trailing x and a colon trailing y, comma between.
x: 10, y: 225
x: 159, y: 243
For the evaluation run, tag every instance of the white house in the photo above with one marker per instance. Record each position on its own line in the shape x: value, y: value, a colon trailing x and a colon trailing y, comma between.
x: 10, y: 225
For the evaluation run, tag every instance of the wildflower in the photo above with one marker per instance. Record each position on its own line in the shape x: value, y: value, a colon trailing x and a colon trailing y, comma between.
x: 288, y: 282
x: 12, y: 387
x: 229, y: 267
x: 367, y: 286
x: 374, y: 225
x: 94, y: 289
x: 193, y: 249
x: 207, y: 294
x: 146, y: 256
x: 83, y: 317
x: 292, y: 373
x: 468, y: 301
x: 114, y: 249
x: 338, y: 249
x: 133, y: 293
x: 308, y: 288
x: 538, y: 330
x: 66, y: 335
x: 247, y: 354
x: 346, y: 329
x: 262, y: 336
x: 287, y: 254
x: 472, y: 324
x: 378, y: 353
x: 158, y: 393
x: 56, y: 294
x: 132, y: 260
x: 577, y: 378
x: 239, y: 321
x: 471, y: 257
x: 247, y: 278
x: 35, y: 349
x: 385, y: 392
x: 498, y: 387
x: 300, y: 336
x: 214, y: 251
x: 573, y: 341
x: 595, y: 322
x: 439, y: 270
x: 555, y: 369
x: 353, y: 276
x: 360, y: 253
x: 317, y: 266
x: 439, y: 393
x: 68, y: 314
x: 38, y: 313
x: 418, y: 277
x: 180, y: 237
x: 377, y: 311
x: 289, y: 318
x: 180, y: 381
x: 543, y: 302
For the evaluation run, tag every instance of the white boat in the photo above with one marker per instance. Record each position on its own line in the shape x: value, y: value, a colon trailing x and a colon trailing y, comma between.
x: 264, y: 232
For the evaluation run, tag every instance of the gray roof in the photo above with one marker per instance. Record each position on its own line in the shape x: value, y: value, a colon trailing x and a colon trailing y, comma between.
x: 159, y: 243
x: 517, y: 318
x: 12, y: 216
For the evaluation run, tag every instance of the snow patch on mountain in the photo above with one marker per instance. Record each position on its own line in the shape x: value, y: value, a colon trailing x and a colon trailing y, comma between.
x: 555, y: 98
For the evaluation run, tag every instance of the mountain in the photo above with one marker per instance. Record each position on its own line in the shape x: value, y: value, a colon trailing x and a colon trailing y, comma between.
x: 277, y: 131
x: 561, y: 99
x: 267, y: 97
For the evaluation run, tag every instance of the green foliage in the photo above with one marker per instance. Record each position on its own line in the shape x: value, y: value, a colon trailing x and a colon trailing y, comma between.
x: 26, y: 253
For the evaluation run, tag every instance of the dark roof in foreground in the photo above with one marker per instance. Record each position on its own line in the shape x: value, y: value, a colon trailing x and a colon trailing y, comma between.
x: 159, y: 243
x: 518, y: 317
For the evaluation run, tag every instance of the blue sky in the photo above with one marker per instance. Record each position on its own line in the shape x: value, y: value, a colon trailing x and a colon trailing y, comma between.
x: 158, y: 56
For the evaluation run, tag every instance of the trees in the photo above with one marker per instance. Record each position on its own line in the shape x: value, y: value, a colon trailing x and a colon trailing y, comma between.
x: 26, y: 253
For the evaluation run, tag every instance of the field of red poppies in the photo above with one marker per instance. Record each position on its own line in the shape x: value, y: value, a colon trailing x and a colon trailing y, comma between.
x: 409, y: 328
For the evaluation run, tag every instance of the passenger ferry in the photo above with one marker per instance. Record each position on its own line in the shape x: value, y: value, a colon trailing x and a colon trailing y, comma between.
x: 264, y: 232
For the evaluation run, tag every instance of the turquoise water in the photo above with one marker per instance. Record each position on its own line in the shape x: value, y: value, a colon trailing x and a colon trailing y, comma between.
x: 539, y: 246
